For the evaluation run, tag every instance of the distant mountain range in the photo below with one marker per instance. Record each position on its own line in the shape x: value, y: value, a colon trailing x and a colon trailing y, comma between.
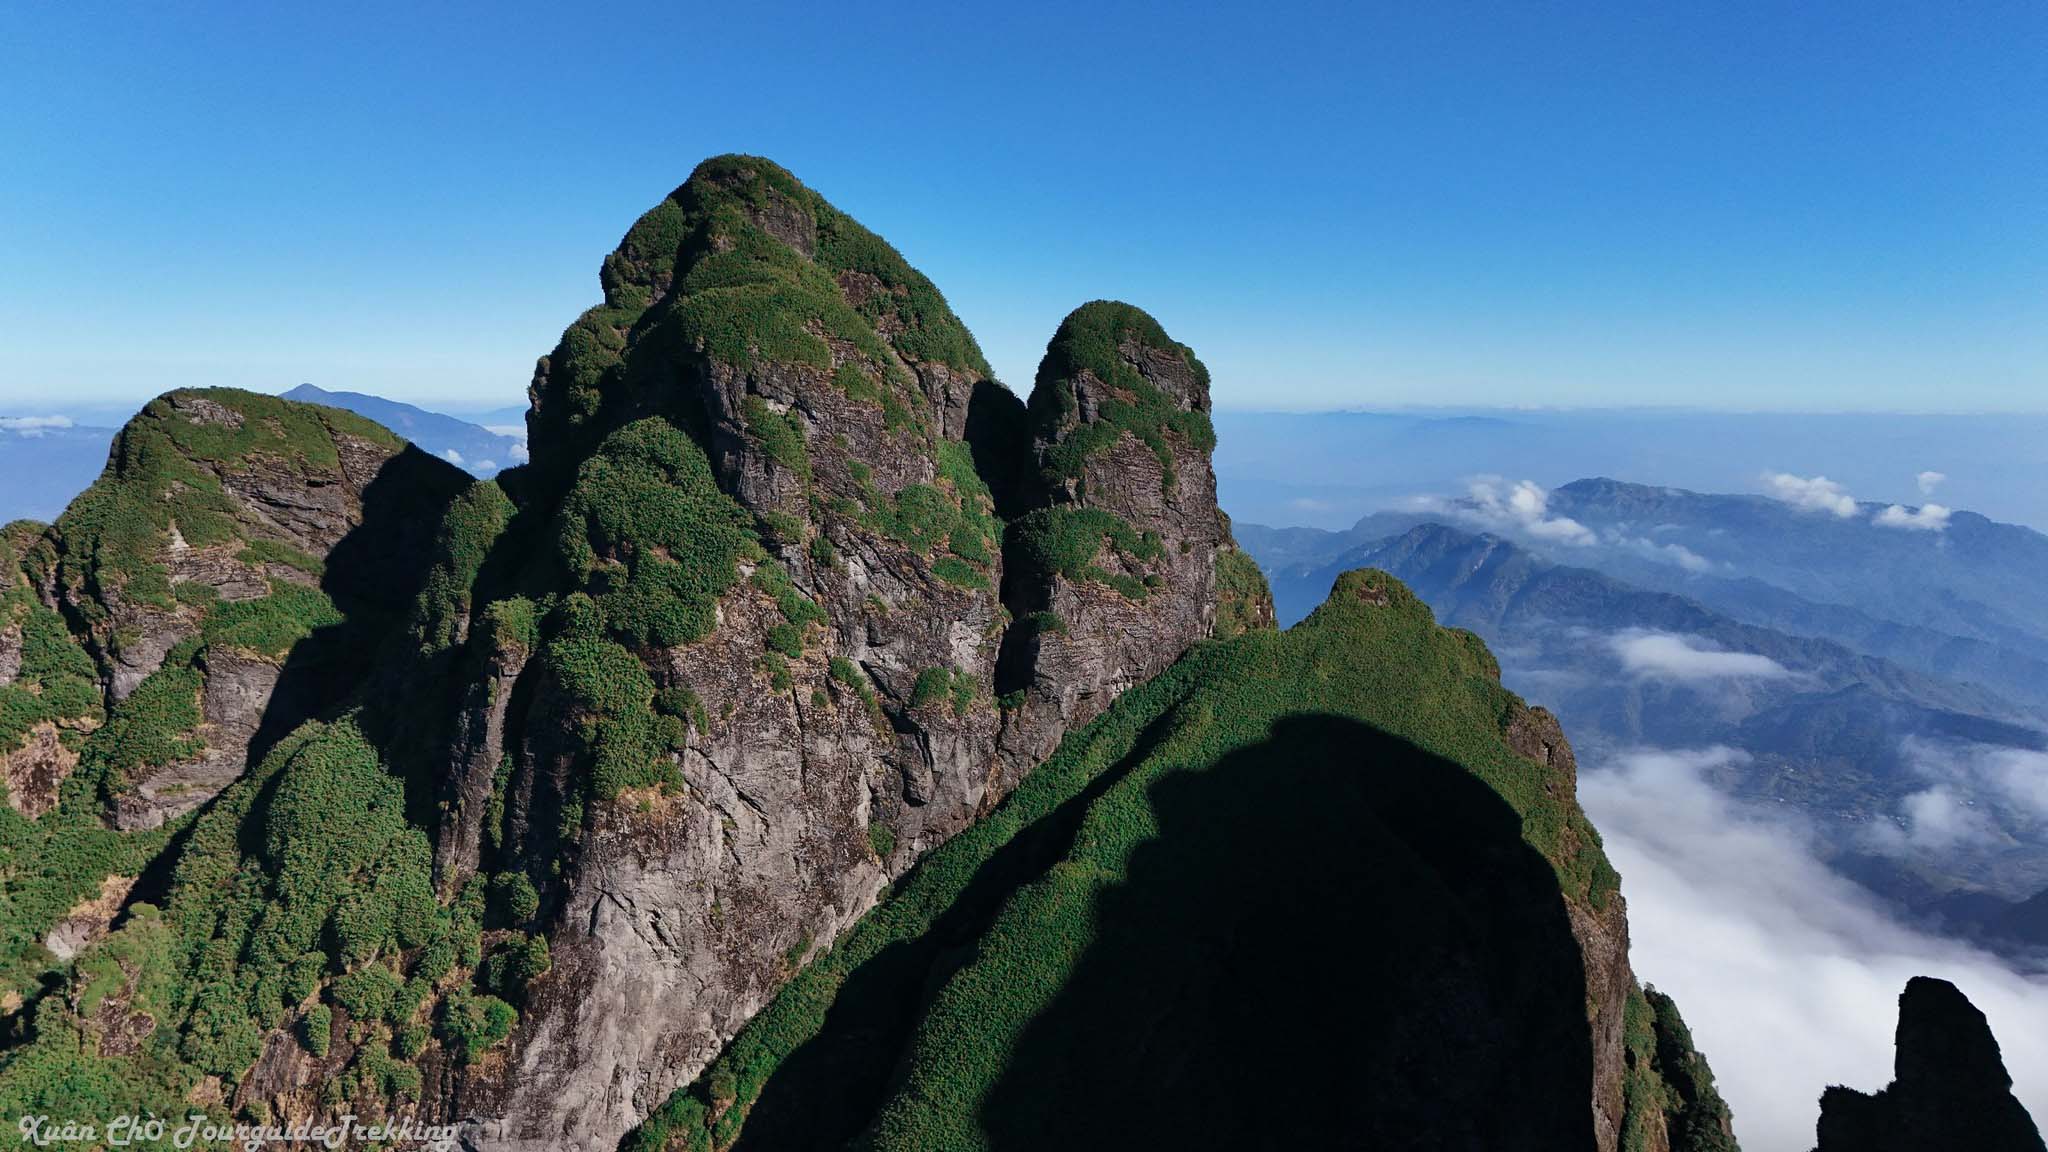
x: 46, y: 459
x: 479, y: 450
x: 1889, y: 682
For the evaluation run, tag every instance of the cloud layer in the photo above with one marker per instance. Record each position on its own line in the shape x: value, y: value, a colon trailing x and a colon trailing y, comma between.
x: 1788, y: 975
x: 32, y: 427
x: 1926, y: 518
x: 1524, y: 505
x: 1814, y: 493
x: 1669, y: 656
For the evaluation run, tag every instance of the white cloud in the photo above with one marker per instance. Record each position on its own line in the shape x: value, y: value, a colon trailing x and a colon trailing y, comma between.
x: 1926, y: 518
x: 511, y: 431
x: 1929, y: 481
x: 452, y: 456
x: 1937, y: 820
x: 1669, y: 553
x: 32, y: 427
x: 517, y: 452
x: 2022, y: 776
x: 1986, y: 771
x: 1669, y: 656
x: 487, y: 465
x: 1788, y: 975
x: 1523, y: 505
x: 1814, y: 493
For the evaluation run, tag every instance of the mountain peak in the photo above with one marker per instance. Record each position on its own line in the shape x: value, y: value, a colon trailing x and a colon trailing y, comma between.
x: 1950, y: 1087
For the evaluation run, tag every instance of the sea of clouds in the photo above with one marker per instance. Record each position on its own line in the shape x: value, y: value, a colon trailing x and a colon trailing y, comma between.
x: 1788, y: 974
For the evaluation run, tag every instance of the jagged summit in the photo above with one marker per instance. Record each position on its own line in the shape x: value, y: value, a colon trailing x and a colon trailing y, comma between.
x: 554, y: 782
x: 744, y: 270
x: 1949, y: 1089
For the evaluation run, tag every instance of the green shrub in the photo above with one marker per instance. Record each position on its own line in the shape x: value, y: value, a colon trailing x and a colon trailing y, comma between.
x: 472, y: 1023
x: 515, y: 897
x: 368, y: 993
x: 882, y: 839
x: 316, y: 1029
x: 647, y: 511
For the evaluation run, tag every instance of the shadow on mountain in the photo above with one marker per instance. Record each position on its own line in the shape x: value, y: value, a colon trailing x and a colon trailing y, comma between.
x: 1336, y: 940
x: 374, y: 575
x: 831, y: 1086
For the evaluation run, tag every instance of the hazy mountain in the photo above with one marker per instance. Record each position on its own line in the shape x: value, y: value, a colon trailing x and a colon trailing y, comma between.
x: 1882, y: 756
x: 1325, y: 468
x: 1960, y: 604
x: 476, y: 449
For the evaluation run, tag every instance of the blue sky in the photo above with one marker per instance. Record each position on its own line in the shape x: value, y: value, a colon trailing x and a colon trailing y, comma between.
x: 1812, y: 206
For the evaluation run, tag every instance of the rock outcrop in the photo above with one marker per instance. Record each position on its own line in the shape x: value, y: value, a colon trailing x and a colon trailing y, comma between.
x: 511, y: 803
x: 1115, y: 572
x: 1950, y: 1089
x: 848, y: 596
x: 201, y: 558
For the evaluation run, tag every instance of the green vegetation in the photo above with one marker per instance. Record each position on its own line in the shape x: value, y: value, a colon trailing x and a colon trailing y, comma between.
x: 956, y: 514
x: 1667, y: 1078
x: 1068, y: 541
x: 56, y: 682
x: 780, y: 435
x: 939, y: 684
x: 165, y: 470
x: 1091, y: 340
x: 316, y: 1028
x: 473, y: 523
x: 269, y: 625
x: 882, y: 839
x: 648, y: 529
x: 1243, y: 602
x: 258, y: 552
x: 610, y: 687
x: 1422, y: 705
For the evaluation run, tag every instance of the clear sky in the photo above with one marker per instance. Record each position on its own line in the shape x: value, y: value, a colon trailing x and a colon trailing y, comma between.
x: 1809, y: 205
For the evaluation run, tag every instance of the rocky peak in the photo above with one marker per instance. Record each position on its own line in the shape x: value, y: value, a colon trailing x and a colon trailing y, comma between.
x: 1117, y: 568
x: 200, y: 558
x: 833, y: 612
x: 1949, y: 1090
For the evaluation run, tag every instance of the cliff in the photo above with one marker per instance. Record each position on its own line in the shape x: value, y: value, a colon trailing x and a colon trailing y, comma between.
x: 1950, y: 1088
x: 810, y: 720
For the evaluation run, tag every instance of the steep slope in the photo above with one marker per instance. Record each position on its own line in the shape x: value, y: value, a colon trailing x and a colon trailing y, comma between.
x: 237, y: 568
x: 1323, y: 887
x: 1950, y: 1090
x: 564, y: 777
x: 759, y: 674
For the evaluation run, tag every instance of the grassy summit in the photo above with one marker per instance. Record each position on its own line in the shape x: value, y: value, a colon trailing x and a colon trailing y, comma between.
x: 1265, y: 856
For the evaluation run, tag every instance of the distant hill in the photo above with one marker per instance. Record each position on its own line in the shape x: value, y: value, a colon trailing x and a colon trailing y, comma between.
x: 479, y: 450
x: 1839, y: 733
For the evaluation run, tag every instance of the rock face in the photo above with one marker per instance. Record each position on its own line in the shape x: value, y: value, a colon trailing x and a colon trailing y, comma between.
x: 1117, y: 569
x: 201, y: 557
x: 861, y: 595
x: 560, y: 778
x: 1950, y: 1088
